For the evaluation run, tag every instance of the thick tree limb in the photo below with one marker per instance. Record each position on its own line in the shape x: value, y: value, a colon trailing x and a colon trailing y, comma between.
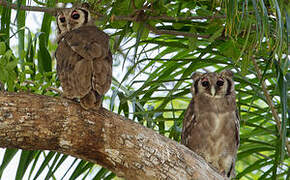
x: 29, y: 121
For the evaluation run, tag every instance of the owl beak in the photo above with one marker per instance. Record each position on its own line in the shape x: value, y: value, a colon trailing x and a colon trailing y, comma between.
x: 212, y: 91
x: 69, y: 27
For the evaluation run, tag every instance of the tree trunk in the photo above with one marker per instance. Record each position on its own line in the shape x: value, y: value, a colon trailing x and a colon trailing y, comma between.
x: 36, y: 122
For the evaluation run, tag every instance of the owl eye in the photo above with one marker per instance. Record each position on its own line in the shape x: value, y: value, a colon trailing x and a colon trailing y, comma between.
x: 62, y: 19
x: 220, y: 83
x: 75, y: 15
x: 205, y: 83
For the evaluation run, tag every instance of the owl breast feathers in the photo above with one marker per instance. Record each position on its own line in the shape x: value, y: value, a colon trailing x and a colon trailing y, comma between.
x: 84, y: 60
x: 211, y: 123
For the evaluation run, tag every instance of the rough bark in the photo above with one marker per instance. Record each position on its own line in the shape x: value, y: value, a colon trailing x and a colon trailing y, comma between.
x: 36, y: 122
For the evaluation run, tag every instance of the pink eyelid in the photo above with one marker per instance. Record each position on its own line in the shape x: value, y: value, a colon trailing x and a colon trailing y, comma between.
x: 220, y: 79
x: 74, y: 12
x: 204, y: 79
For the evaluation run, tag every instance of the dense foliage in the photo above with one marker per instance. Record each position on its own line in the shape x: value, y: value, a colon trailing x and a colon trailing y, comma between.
x: 157, y: 45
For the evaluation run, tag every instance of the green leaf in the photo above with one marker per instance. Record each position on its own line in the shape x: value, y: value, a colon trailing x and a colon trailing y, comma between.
x: 5, y: 24
x: 101, y: 174
x: 230, y: 49
x: 81, y: 168
x: 203, y: 12
x: 11, y: 65
x: 36, y: 157
x: 68, y: 169
x: 60, y: 162
x: 178, y: 25
x: 192, y: 43
x: 216, y: 34
x: 283, y: 91
x: 9, y: 154
x: 21, y: 16
x: 44, y: 58
x: 2, y: 48
x: 44, y: 164
x: 25, y: 159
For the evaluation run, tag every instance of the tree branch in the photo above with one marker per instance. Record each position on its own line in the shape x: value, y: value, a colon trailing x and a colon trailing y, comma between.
x: 168, y: 18
x: 175, y: 33
x: 30, y: 121
x: 53, y: 12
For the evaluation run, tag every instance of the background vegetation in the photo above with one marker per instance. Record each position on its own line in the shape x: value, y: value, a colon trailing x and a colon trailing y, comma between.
x: 157, y: 45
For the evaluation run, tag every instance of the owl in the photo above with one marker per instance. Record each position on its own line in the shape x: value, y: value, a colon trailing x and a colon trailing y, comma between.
x: 84, y: 59
x: 211, y: 123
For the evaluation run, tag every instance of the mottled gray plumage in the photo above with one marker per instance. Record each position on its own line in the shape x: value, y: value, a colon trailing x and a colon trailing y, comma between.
x: 84, y: 60
x: 211, y: 123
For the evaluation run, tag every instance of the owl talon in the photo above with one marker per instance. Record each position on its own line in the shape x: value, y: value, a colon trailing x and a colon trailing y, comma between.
x: 91, y: 101
x: 88, y: 101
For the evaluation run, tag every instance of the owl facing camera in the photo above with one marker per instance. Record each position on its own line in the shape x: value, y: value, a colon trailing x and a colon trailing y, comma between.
x: 211, y: 123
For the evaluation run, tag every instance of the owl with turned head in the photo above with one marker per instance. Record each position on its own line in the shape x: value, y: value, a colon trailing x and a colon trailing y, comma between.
x: 84, y: 59
x: 211, y: 123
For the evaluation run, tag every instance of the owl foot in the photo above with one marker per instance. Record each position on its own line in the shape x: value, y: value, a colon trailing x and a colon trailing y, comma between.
x: 88, y: 101
x: 98, y: 102
x: 91, y: 101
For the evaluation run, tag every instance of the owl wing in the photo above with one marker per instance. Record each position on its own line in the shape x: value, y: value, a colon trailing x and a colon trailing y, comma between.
x: 73, y: 72
x: 89, y: 42
x: 231, y: 174
x: 188, y: 122
x: 93, y: 45
x: 237, y: 128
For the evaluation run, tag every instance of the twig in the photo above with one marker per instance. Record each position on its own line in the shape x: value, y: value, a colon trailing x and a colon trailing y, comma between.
x: 168, y: 18
x: 133, y: 4
x: 176, y: 33
x: 270, y: 102
x: 51, y: 11
x: 267, y: 95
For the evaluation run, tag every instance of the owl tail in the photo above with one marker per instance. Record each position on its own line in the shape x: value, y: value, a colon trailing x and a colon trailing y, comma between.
x: 91, y: 101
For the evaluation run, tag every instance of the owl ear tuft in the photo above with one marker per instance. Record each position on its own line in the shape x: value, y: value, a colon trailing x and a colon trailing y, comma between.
x: 196, y: 75
x: 82, y: 6
x: 227, y: 73
x: 86, y: 5
x: 57, y: 13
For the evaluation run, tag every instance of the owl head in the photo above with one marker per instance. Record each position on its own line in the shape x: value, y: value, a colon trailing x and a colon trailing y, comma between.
x: 213, y: 84
x: 73, y: 18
